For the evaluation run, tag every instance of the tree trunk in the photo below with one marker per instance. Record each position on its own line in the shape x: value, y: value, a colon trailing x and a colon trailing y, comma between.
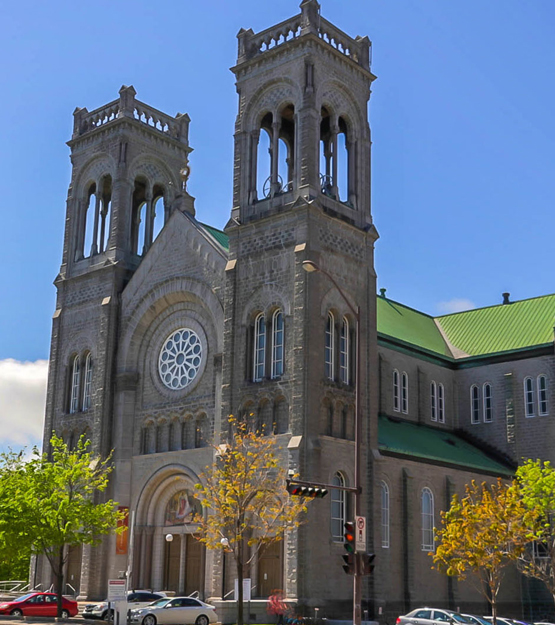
x: 60, y: 580
x: 240, y: 589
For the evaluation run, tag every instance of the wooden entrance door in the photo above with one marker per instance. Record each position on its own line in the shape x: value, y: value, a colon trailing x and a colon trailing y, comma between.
x: 171, y: 574
x: 269, y: 570
x: 194, y: 566
x: 74, y: 568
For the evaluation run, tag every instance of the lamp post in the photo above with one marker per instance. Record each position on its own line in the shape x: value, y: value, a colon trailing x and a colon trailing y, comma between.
x: 310, y: 266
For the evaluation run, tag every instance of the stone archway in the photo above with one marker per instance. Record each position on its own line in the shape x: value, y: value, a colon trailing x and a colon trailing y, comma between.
x: 168, y: 557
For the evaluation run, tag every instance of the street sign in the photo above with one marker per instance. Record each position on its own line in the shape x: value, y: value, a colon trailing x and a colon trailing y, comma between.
x: 360, y: 534
x: 117, y: 590
x: 246, y: 589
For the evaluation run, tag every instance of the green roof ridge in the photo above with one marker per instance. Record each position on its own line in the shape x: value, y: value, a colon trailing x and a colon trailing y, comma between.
x: 219, y: 235
x: 517, y: 301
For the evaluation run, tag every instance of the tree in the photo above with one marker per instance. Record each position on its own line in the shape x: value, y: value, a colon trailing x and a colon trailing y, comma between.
x: 49, y: 504
x: 245, y: 498
x: 482, y: 533
x: 535, y: 485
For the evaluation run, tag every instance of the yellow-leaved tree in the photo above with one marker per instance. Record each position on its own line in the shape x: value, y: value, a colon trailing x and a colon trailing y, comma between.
x: 481, y: 534
x: 245, y: 498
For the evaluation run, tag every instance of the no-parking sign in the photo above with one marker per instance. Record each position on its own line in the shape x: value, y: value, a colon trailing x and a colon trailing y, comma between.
x: 360, y: 534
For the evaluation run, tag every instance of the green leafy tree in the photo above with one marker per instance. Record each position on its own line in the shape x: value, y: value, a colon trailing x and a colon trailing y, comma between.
x: 246, y: 501
x: 481, y: 534
x: 50, y: 504
x: 535, y: 485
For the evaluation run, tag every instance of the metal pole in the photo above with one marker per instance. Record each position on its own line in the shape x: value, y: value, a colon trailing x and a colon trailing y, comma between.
x: 310, y: 266
x: 357, y: 582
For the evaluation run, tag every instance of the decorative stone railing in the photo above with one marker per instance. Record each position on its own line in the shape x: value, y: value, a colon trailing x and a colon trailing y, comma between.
x: 127, y: 106
x: 308, y: 21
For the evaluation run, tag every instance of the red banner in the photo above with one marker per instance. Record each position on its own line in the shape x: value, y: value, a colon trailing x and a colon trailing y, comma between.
x: 121, y: 539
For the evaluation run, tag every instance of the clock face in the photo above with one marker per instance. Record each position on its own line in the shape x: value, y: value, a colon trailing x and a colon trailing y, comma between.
x: 180, y: 359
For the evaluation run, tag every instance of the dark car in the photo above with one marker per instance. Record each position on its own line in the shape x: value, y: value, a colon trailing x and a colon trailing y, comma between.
x: 39, y: 604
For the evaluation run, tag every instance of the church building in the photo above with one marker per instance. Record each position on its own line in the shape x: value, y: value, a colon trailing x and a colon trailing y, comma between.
x: 166, y: 325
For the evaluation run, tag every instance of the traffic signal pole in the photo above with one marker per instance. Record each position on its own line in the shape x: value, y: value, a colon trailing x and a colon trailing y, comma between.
x: 310, y: 266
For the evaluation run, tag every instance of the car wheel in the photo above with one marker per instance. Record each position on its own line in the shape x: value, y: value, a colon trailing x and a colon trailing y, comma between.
x: 65, y: 614
x: 202, y: 620
x: 149, y: 619
x: 16, y: 613
x: 108, y: 616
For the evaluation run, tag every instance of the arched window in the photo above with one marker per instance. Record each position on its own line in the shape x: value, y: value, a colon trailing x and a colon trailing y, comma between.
x: 103, y: 221
x: 542, y: 395
x: 338, y: 508
x: 277, y: 344
x: 385, y: 515
x: 158, y: 216
x: 139, y: 218
x: 474, y: 404
x: 87, y: 245
x: 344, y: 352
x: 433, y: 401
x: 487, y: 402
x: 405, y: 393
x: 440, y: 403
x: 75, y: 385
x: 528, y: 397
x: 329, y: 355
x: 259, y: 361
x: 396, y: 391
x: 427, y: 520
x: 88, y: 382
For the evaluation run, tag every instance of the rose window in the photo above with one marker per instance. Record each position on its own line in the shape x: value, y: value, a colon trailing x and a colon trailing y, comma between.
x: 180, y: 359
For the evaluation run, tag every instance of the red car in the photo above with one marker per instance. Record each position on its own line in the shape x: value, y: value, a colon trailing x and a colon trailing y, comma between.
x: 39, y: 604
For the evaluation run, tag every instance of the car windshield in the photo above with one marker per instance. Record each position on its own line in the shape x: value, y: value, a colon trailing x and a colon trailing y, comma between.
x: 24, y: 597
x: 159, y: 603
x: 460, y: 618
x: 479, y: 619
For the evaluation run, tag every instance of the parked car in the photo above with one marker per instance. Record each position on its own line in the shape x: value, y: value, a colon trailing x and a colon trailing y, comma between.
x: 39, y: 604
x: 177, y: 610
x: 135, y: 599
x: 476, y: 620
x: 503, y: 620
x: 428, y: 616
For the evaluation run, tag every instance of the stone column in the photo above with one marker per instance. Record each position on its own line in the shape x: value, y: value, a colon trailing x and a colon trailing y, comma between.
x: 275, y: 186
x: 333, y: 141
x: 94, y: 246
x: 182, y: 562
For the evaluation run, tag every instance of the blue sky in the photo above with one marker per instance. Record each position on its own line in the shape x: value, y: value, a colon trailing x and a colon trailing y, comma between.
x: 461, y: 116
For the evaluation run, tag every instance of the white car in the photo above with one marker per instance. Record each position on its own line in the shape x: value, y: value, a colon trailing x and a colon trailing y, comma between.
x: 175, y: 611
x: 135, y: 599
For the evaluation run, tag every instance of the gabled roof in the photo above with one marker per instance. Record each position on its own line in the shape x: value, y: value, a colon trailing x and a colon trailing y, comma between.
x: 506, y: 327
x: 429, y: 444
x: 218, y: 235
x: 497, y: 329
x: 407, y: 325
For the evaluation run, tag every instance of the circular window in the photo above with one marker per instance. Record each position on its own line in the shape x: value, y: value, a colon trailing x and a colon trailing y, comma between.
x: 180, y: 359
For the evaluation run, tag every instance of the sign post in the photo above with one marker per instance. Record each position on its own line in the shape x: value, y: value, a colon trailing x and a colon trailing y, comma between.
x: 117, y: 594
x: 360, y: 534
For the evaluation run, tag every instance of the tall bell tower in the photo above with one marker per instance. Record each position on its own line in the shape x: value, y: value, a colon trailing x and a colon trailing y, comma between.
x: 302, y: 192
x: 303, y: 87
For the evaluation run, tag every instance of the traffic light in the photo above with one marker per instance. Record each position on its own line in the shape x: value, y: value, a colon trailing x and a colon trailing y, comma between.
x: 349, y: 544
x: 349, y: 566
x: 349, y: 536
x: 367, y: 566
x: 305, y: 490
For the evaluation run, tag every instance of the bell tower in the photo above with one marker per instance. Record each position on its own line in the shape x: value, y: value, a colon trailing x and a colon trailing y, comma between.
x: 302, y: 128
x: 302, y: 193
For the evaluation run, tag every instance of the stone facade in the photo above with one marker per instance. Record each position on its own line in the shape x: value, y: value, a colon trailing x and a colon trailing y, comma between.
x: 124, y: 289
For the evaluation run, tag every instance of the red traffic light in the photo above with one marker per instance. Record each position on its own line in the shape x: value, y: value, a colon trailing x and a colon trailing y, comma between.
x: 306, y: 490
x: 349, y: 537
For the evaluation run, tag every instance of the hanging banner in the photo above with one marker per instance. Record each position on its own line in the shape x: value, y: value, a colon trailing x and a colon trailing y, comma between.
x: 121, y: 539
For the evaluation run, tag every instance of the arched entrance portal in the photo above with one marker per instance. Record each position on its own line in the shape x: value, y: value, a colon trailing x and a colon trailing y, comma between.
x: 167, y: 554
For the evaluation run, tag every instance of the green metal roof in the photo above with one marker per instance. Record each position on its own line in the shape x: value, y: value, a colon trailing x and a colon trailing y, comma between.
x: 220, y: 236
x: 422, y: 442
x: 410, y: 326
x: 506, y: 327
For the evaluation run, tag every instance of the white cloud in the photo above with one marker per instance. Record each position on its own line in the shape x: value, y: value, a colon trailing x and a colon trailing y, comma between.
x: 455, y: 305
x: 22, y: 402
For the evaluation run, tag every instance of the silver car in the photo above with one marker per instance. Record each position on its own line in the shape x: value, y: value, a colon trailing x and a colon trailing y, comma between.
x: 175, y: 611
x: 432, y: 616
